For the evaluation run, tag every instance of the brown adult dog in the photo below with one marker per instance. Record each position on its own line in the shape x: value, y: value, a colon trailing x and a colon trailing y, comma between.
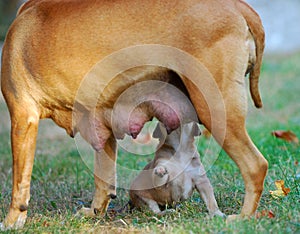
x: 174, y: 173
x: 53, y: 44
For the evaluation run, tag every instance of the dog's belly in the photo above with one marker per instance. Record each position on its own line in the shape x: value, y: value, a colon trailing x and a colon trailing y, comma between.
x: 75, y: 113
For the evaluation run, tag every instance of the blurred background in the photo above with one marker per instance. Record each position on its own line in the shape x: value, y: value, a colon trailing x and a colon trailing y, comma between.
x: 8, y: 9
x: 280, y: 18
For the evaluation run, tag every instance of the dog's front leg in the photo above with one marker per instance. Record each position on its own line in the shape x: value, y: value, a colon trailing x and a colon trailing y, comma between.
x: 105, y: 179
x: 24, y: 128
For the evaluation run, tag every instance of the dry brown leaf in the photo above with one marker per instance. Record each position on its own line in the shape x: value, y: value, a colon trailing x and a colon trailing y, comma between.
x: 289, y: 136
x: 265, y: 213
x: 46, y: 224
x: 281, y: 191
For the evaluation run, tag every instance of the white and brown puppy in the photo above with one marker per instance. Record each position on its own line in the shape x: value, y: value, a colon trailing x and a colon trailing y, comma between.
x: 174, y: 173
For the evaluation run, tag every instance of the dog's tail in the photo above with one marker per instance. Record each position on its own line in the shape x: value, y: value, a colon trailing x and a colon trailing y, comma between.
x: 256, y: 28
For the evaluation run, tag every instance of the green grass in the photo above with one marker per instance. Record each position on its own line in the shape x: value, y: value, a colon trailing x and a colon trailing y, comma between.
x: 62, y: 181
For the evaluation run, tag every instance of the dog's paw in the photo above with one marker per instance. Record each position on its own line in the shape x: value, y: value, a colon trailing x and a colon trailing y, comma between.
x: 15, y: 220
x: 160, y: 171
x: 231, y: 218
x: 86, y: 212
x: 18, y: 225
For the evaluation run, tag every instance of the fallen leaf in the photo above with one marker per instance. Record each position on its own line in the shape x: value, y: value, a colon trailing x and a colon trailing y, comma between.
x: 271, y: 215
x: 289, y: 136
x: 281, y: 191
x: 46, y: 224
x: 265, y: 213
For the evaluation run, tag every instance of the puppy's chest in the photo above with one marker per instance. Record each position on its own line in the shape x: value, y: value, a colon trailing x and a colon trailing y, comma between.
x: 181, y: 187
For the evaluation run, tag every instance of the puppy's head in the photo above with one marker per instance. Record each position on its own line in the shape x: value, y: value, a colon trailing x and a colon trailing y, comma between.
x: 188, y: 133
x: 182, y: 137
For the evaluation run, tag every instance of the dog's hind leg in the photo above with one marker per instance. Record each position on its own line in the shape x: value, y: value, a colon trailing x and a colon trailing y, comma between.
x: 24, y: 129
x: 105, y: 179
x: 241, y: 149
x: 230, y: 132
x: 252, y: 164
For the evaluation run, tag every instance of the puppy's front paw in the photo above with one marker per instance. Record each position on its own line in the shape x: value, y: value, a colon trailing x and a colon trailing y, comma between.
x: 160, y: 171
x: 160, y: 176
x: 86, y: 212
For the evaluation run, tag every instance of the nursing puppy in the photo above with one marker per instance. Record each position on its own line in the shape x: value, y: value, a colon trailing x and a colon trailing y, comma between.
x: 174, y: 173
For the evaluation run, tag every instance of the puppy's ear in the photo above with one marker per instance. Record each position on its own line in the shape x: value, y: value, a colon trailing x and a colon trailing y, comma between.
x: 195, y: 129
x: 188, y: 132
x: 160, y: 131
x: 191, y: 129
